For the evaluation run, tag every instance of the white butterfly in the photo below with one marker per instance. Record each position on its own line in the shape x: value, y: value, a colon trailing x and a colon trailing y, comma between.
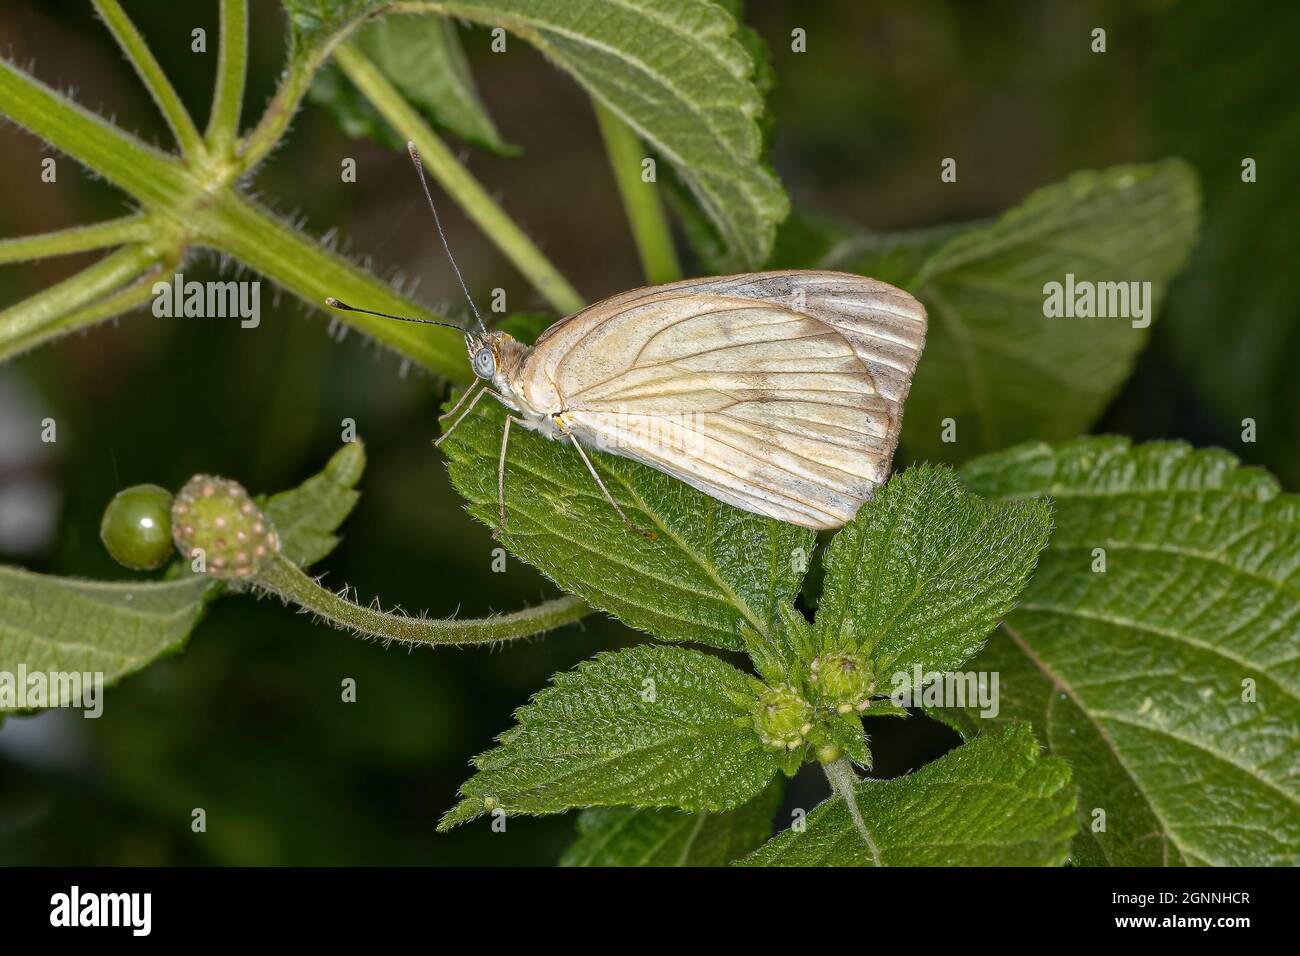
x: 777, y: 392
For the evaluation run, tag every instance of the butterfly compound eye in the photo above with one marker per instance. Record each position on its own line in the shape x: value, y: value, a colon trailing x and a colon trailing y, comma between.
x: 485, y: 365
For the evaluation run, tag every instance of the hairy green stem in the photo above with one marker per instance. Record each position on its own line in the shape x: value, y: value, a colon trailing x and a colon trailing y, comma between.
x: 192, y: 206
x: 155, y: 80
x: 457, y: 180
x: 115, y: 232
x: 307, y: 269
x: 152, y: 177
x: 110, y: 306
x: 32, y: 320
x: 645, y: 213
x: 270, y: 129
x: 844, y: 783
x: 286, y: 579
x: 232, y: 68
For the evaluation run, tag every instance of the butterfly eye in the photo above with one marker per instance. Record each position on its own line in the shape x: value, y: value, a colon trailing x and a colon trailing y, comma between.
x: 485, y: 365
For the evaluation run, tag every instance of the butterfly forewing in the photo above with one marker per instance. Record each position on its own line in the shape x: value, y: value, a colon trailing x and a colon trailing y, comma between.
x: 779, y: 392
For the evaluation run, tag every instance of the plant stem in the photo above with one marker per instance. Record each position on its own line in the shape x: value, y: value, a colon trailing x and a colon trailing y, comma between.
x: 152, y: 177
x: 115, y: 232
x: 458, y: 181
x: 286, y: 579
x: 155, y: 80
x: 31, y: 320
x: 270, y: 129
x: 645, y: 214
x: 232, y: 68
x: 124, y: 300
x: 189, y: 208
x: 844, y: 782
x: 218, y: 218
x: 307, y: 269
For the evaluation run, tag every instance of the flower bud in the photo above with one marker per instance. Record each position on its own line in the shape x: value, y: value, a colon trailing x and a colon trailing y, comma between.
x: 217, y: 516
x: 843, y: 681
x: 782, y: 718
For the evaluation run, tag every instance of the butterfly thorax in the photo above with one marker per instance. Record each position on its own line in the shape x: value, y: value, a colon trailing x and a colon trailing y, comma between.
x: 507, y: 358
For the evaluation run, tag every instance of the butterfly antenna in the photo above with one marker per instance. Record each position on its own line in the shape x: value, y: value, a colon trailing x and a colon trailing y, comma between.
x: 342, y: 306
x: 424, y: 184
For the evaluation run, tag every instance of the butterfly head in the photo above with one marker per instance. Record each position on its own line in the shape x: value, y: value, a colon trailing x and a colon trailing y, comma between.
x: 481, y: 357
x: 493, y: 355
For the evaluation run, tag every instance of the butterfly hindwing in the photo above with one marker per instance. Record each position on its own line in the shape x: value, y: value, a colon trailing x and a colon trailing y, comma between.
x: 779, y: 392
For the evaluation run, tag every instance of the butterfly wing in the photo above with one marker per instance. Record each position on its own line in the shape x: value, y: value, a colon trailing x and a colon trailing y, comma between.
x: 780, y: 392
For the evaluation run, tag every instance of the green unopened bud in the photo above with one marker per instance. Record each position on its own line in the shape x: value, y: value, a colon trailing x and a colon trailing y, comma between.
x: 137, y: 527
x: 218, y: 517
x: 844, y: 681
x: 782, y: 718
x: 829, y: 753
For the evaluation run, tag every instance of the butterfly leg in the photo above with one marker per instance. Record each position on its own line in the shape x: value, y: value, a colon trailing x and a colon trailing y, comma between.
x: 452, y: 427
x: 461, y: 401
x: 648, y: 535
x: 501, y: 476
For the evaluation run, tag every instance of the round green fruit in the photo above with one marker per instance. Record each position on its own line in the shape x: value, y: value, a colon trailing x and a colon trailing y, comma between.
x: 137, y: 527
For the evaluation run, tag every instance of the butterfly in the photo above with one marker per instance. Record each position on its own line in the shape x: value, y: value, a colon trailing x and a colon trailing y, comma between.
x: 780, y: 393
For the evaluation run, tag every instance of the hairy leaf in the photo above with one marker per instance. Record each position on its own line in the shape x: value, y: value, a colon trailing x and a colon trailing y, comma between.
x: 118, y: 627
x: 993, y: 362
x: 313, y: 24
x: 422, y: 56
x: 1170, y: 679
x: 845, y: 731
x: 703, y: 236
x: 676, y: 73
x: 624, y: 836
x: 992, y: 802
x: 673, y: 70
x: 307, y: 516
x: 650, y: 726
x: 715, y: 574
x: 925, y: 571
x: 110, y: 627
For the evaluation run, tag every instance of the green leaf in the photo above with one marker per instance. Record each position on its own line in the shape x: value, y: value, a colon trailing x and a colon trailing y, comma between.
x: 845, y: 731
x: 307, y: 516
x: 676, y: 73
x: 525, y: 326
x: 1139, y: 675
x: 709, y: 245
x: 313, y: 24
x: 71, y: 625
x: 715, y: 574
x: 624, y: 836
x: 924, y: 572
x: 650, y: 726
x: 993, y: 361
x: 991, y: 802
x: 422, y: 56
x: 813, y: 240
x: 118, y: 627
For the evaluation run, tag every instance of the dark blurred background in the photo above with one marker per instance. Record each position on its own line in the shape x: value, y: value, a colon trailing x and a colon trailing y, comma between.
x: 247, y: 722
